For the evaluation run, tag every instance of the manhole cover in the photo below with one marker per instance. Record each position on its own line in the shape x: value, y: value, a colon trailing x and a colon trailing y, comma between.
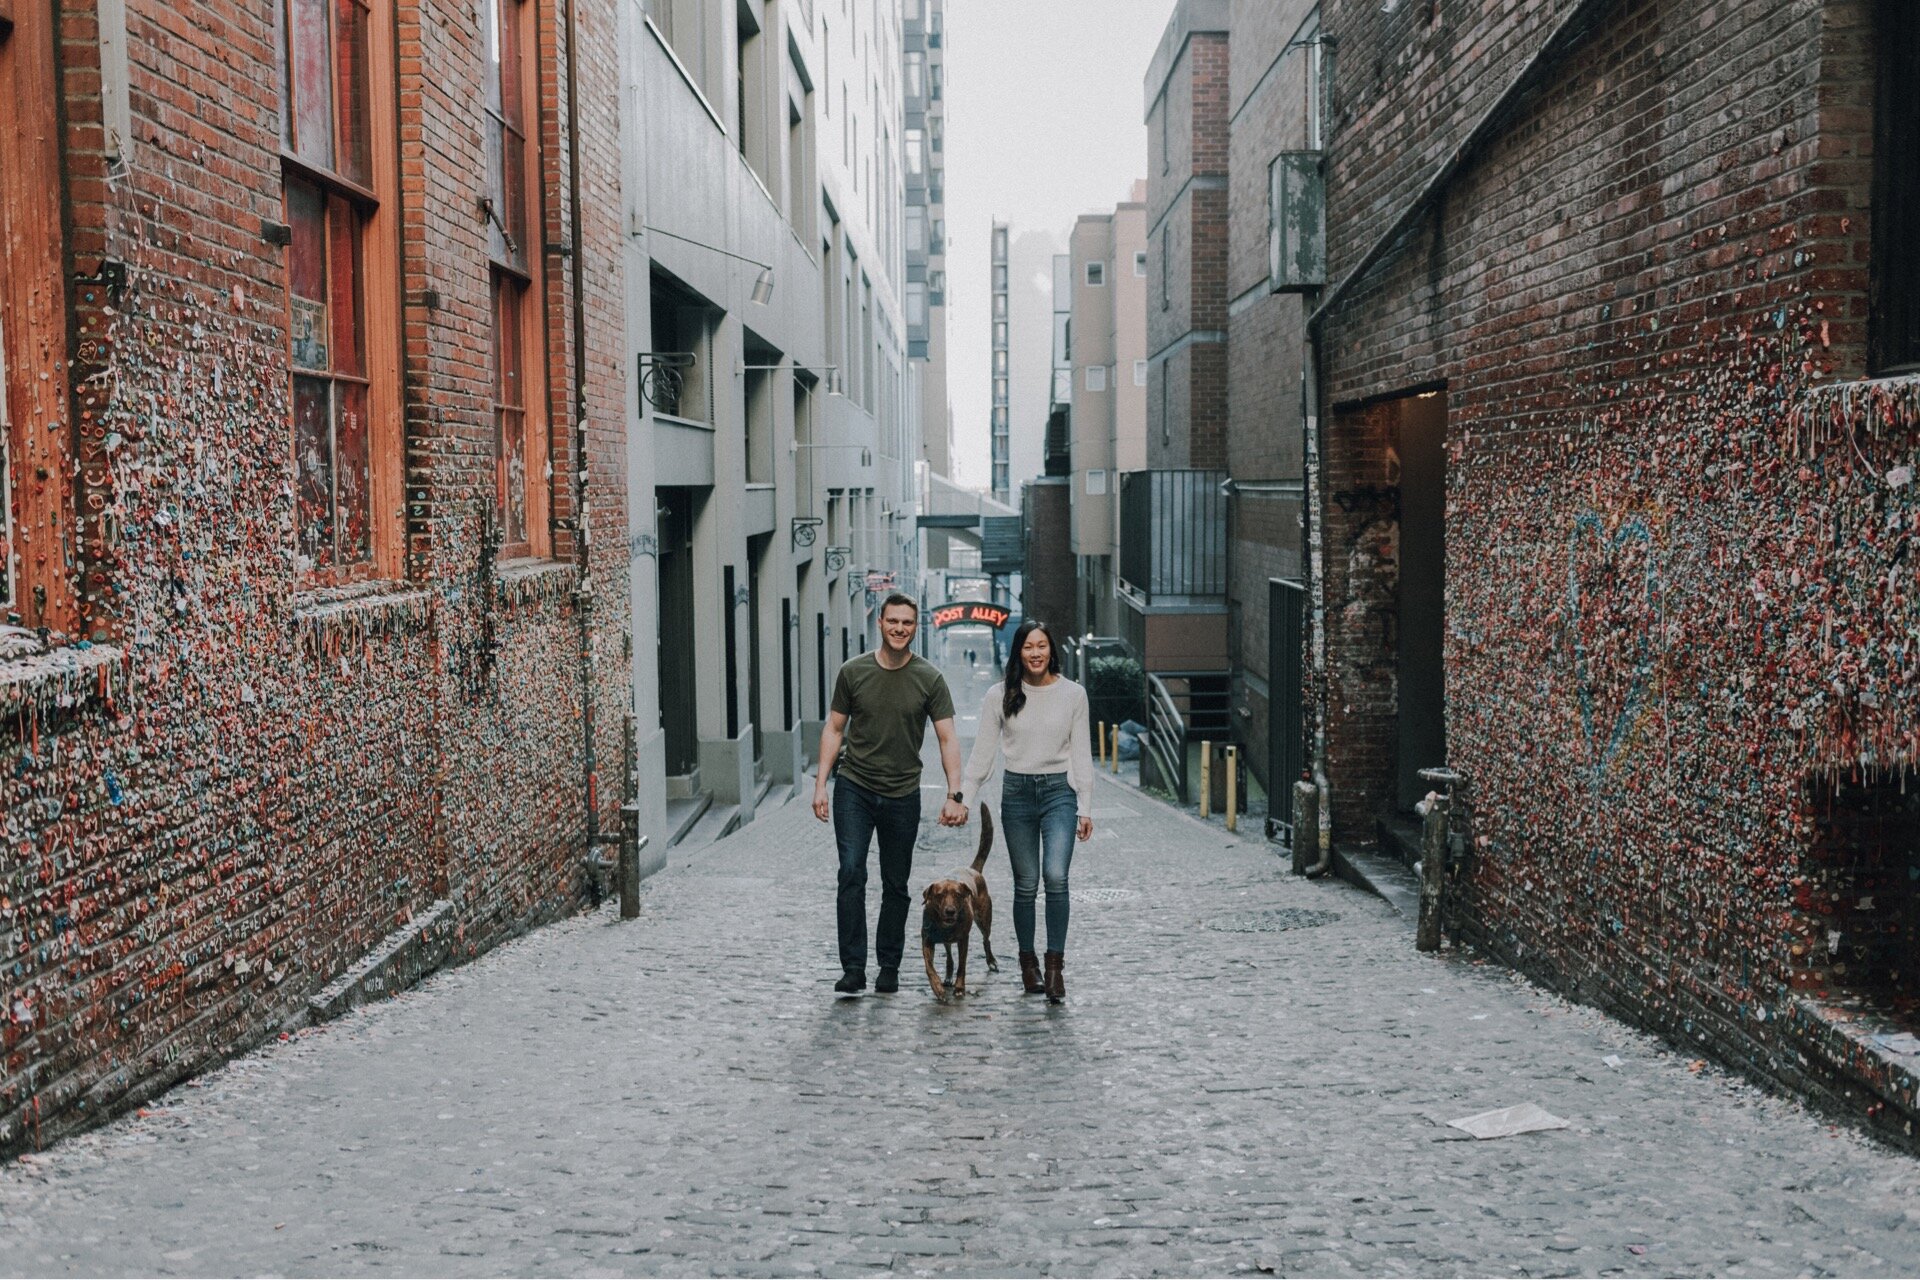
x: 1105, y: 895
x: 1276, y: 921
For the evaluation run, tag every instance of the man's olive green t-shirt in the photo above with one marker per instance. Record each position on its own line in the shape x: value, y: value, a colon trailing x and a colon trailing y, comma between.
x: 887, y: 714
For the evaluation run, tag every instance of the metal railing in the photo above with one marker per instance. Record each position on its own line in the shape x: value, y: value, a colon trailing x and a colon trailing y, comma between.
x: 1173, y: 536
x: 1179, y: 713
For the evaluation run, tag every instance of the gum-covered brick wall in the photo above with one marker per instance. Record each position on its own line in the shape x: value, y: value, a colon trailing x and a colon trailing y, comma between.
x: 230, y: 784
x: 1680, y: 618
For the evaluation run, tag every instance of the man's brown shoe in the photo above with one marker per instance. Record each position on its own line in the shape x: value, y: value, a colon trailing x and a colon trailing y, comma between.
x: 1056, y: 979
x: 1030, y: 973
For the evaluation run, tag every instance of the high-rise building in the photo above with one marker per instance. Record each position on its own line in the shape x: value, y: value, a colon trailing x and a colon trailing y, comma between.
x: 1002, y: 397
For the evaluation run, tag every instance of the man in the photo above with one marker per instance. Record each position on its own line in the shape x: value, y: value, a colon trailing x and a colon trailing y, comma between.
x: 881, y: 704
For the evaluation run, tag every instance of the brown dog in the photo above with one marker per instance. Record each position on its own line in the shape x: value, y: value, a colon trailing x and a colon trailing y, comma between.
x: 953, y: 906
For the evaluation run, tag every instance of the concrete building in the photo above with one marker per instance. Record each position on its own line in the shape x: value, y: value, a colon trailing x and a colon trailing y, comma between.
x: 999, y: 428
x: 1106, y: 392
x: 923, y: 88
x: 312, y: 515
x: 773, y: 443
x: 1617, y: 422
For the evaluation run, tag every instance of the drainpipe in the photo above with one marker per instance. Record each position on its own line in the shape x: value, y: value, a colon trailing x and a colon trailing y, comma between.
x: 582, y: 527
x: 1316, y: 590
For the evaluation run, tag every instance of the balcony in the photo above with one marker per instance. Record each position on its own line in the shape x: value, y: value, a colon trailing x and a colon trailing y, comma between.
x: 1173, y: 539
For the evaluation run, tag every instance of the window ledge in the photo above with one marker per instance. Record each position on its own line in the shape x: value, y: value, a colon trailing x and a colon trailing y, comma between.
x: 1877, y: 406
x: 325, y: 619
x: 69, y: 676
x: 530, y: 582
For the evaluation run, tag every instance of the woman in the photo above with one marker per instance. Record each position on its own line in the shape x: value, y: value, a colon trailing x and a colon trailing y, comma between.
x: 1038, y: 720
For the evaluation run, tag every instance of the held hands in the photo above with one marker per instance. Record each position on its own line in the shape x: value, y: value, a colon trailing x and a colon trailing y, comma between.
x: 953, y: 814
x: 1086, y: 828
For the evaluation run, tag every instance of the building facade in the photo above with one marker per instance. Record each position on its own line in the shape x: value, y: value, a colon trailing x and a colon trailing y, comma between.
x: 1106, y: 392
x: 1620, y: 412
x: 1275, y: 107
x: 315, y: 487
x: 1171, y: 573
x: 775, y: 443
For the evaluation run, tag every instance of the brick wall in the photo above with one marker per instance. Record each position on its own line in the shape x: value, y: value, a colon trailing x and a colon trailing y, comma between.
x: 1187, y: 238
x: 1669, y: 522
x: 275, y: 778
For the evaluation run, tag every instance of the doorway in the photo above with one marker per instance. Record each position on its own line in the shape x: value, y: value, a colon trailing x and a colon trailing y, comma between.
x: 675, y: 511
x: 1422, y: 729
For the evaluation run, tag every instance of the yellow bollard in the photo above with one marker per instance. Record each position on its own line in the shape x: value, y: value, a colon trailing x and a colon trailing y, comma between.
x: 1101, y: 745
x: 1233, y: 788
x: 1116, y: 748
x: 1206, y: 778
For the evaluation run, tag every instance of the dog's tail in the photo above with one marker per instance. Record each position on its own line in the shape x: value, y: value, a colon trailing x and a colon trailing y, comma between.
x: 986, y: 838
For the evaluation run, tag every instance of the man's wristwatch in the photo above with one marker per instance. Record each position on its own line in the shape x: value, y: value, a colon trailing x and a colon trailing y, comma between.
x: 958, y: 797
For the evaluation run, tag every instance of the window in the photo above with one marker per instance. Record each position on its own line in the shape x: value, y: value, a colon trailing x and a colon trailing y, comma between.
x: 916, y: 230
x: 342, y: 331
x: 916, y: 77
x: 1096, y: 483
x: 1096, y: 377
x: 1000, y: 360
x: 1140, y: 263
x: 1096, y: 274
x: 37, y: 540
x: 1000, y: 333
x: 513, y: 177
x: 916, y: 153
x: 331, y: 449
x: 916, y: 304
x: 1139, y: 373
x: 1893, y: 330
x: 1166, y: 276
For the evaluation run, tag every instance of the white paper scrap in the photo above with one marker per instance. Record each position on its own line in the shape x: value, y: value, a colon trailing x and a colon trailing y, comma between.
x: 1507, y: 1121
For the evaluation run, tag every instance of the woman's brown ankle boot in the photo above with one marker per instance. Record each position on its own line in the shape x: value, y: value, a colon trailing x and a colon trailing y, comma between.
x: 1056, y: 980
x: 1030, y: 973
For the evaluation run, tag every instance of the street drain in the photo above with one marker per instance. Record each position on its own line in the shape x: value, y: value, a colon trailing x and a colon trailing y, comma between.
x: 1105, y: 895
x: 1277, y: 921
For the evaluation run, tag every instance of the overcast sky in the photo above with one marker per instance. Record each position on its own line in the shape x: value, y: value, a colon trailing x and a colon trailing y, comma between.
x: 1045, y: 121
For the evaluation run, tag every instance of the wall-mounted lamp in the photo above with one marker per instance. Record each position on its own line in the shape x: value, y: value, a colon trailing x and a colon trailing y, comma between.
x: 762, y: 284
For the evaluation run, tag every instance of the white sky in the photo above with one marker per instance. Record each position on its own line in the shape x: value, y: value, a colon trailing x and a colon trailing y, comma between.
x: 1045, y: 122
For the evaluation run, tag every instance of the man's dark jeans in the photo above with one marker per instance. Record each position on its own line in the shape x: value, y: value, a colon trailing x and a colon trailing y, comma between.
x: 858, y: 815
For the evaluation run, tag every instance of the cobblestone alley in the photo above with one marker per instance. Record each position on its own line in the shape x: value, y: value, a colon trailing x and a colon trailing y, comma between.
x: 1252, y: 1073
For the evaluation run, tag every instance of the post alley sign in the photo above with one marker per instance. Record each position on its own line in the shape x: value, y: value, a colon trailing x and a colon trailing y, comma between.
x: 970, y: 613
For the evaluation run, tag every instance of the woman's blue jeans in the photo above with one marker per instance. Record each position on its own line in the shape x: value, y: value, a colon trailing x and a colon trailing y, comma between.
x: 1039, y: 811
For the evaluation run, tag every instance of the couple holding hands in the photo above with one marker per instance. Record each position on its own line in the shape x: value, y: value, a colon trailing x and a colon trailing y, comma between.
x: 1036, y: 718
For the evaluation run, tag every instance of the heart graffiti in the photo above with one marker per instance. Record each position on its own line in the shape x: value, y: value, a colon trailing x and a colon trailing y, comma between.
x: 1613, y: 608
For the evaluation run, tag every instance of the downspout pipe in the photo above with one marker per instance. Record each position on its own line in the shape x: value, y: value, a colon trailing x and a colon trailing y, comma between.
x: 582, y: 525
x: 1316, y: 595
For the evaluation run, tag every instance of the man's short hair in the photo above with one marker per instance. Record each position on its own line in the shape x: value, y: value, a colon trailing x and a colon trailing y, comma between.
x: 900, y: 597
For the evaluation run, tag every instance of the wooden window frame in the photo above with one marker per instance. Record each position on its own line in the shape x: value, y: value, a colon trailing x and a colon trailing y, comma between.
x: 370, y: 191
x: 516, y: 289
x: 38, y: 532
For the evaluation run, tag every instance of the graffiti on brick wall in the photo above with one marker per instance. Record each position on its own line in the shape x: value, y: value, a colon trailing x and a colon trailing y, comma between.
x: 229, y: 787
x: 1667, y: 612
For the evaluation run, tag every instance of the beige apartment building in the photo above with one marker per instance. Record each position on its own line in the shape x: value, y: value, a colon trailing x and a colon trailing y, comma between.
x: 1105, y: 371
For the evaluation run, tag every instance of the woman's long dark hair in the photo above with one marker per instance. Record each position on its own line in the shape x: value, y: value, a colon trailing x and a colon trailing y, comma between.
x: 1016, y: 695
